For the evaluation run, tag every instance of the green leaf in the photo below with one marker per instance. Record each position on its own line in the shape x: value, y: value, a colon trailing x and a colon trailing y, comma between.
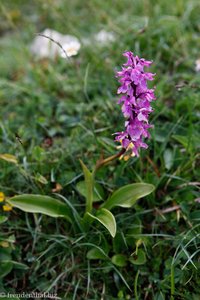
x: 98, y: 193
x: 184, y: 141
x: 89, y: 187
x: 134, y: 231
x: 6, y: 267
x: 41, y: 179
x: 128, y: 195
x: 107, y: 143
x: 38, y: 153
x: 5, y: 254
x: 19, y: 266
x: 195, y: 215
x: 119, y: 260
x: 119, y: 242
x: 9, y: 158
x: 135, y: 228
x: 96, y: 253
x: 5, y: 261
x: 10, y: 239
x: 3, y: 219
x: 138, y: 258
x: 41, y: 204
x: 106, y: 218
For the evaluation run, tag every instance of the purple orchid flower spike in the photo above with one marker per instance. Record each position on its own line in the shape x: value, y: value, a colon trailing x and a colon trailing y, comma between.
x: 136, y: 104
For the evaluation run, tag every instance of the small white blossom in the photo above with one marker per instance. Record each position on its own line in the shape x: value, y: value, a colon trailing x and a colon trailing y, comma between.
x: 71, y: 48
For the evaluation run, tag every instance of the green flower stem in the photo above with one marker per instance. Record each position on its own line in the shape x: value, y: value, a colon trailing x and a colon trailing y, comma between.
x: 172, y: 283
x: 89, y: 200
x: 90, y: 183
x: 136, y: 285
x: 86, y: 222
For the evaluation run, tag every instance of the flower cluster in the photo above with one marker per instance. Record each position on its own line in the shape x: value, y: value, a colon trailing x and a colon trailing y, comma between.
x: 136, y: 100
x: 6, y: 206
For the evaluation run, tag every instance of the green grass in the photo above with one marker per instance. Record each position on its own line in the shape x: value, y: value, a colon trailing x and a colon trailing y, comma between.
x: 74, y: 104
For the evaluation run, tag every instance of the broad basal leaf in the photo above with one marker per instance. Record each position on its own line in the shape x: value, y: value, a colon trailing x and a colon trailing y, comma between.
x: 6, y: 267
x: 96, y: 253
x: 41, y: 204
x: 3, y: 219
x: 106, y: 218
x: 128, y: 195
x: 5, y: 261
x: 119, y: 260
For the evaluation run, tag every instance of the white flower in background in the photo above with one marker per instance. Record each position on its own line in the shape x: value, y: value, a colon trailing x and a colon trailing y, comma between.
x: 105, y: 37
x: 71, y: 48
x: 48, y: 45
x: 197, y: 67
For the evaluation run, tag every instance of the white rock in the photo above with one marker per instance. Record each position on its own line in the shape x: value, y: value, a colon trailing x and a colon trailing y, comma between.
x: 105, y: 37
x: 47, y: 45
x: 197, y: 67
